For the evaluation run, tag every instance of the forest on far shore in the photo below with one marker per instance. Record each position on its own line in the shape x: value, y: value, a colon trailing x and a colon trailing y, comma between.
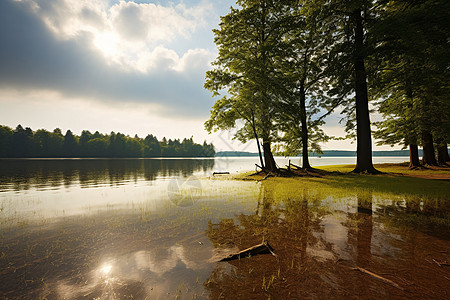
x: 27, y: 143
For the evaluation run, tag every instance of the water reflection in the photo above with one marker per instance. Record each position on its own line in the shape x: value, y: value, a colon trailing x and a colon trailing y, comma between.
x: 320, y: 232
x: 320, y: 240
x: 25, y: 174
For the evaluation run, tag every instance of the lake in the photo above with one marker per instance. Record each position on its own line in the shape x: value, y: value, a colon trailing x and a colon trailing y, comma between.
x: 157, y: 228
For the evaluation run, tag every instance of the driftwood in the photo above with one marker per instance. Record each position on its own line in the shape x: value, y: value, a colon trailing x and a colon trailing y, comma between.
x: 263, y: 248
x: 378, y: 277
x: 220, y: 173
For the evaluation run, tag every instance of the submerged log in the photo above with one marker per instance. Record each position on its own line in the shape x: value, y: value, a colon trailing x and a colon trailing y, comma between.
x: 263, y: 248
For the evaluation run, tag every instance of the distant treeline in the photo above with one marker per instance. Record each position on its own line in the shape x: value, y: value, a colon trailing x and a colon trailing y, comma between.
x: 329, y: 153
x: 22, y: 142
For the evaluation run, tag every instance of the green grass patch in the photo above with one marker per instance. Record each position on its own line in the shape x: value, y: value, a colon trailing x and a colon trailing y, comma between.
x: 396, y: 180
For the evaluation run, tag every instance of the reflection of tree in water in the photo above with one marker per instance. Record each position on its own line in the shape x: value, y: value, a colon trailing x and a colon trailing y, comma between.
x: 365, y: 228
x: 416, y: 213
x: 360, y: 228
x: 318, y: 248
x: 289, y: 226
x: 25, y: 174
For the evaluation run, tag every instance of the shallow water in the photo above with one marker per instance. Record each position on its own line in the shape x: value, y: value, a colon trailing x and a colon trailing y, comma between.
x: 116, y: 229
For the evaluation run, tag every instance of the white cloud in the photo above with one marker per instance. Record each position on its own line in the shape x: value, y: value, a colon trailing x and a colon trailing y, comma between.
x: 129, y: 22
x: 151, y: 22
x: 195, y: 59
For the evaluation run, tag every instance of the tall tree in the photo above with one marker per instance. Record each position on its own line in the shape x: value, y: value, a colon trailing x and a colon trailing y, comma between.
x: 248, y: 41
x: 350, y: 21
x: 303, y: 62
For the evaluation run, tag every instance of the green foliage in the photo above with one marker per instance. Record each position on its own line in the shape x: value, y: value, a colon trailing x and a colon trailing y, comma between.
x: 248, y: 43
x: 6, y: 134
x: 302, y: 81
x: 411, y: 74
x: 42, y: 143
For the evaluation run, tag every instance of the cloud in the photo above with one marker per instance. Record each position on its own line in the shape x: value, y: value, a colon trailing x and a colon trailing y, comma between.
x: 129, y: 21
x: 151, y: 22
x: 67, y: 18
x: 56, y: 45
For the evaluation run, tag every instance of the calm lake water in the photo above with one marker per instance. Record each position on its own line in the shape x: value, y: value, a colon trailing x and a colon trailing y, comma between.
x: 157, y: 228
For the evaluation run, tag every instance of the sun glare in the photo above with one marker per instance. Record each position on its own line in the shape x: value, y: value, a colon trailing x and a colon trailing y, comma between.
x: 106, y: 269
x: 107, y: 43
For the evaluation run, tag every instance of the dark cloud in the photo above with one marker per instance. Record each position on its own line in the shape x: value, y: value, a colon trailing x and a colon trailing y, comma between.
x: 32, y: 57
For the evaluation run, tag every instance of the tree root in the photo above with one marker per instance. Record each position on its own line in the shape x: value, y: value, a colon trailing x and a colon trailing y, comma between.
x: 371, y: 171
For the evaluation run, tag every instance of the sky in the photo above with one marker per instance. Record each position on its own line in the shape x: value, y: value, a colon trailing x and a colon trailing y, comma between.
x: 135, y: 67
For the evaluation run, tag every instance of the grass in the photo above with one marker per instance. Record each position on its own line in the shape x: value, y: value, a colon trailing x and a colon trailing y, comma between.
x: 397, y: 179
x: 400, y: 168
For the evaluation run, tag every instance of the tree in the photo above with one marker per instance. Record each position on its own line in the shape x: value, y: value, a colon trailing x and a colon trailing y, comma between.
x: 349, y: 22
x: 86, y: 135
x: 152, y: 147
x: 70, y: 147
x: 411, y: 76
x: 117, y: 145
x: 6, y: 135
x: 42, y: 141
x: 56, y: 143
x: 303, y: 72
x: 96, y: 147
x: 22, y: 142
x: 248, y: 41
x: 133, y: 147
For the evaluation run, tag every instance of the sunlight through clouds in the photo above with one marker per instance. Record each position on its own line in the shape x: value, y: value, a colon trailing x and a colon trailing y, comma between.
x: 134, y: 35
x: 110, y: 51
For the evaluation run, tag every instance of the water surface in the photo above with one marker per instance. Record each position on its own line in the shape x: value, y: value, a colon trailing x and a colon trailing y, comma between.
x: 156, y: 229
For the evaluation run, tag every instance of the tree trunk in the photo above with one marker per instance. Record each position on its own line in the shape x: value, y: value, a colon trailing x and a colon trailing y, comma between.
x: 442, y: 154
x: 429, y: 157
x: 257, y: 140
x: 259, y: 152
x: 305, y: 159
x: 413, y: 156
x: 363, y: 133
x: 269, y: 161
x: 447, y: 157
